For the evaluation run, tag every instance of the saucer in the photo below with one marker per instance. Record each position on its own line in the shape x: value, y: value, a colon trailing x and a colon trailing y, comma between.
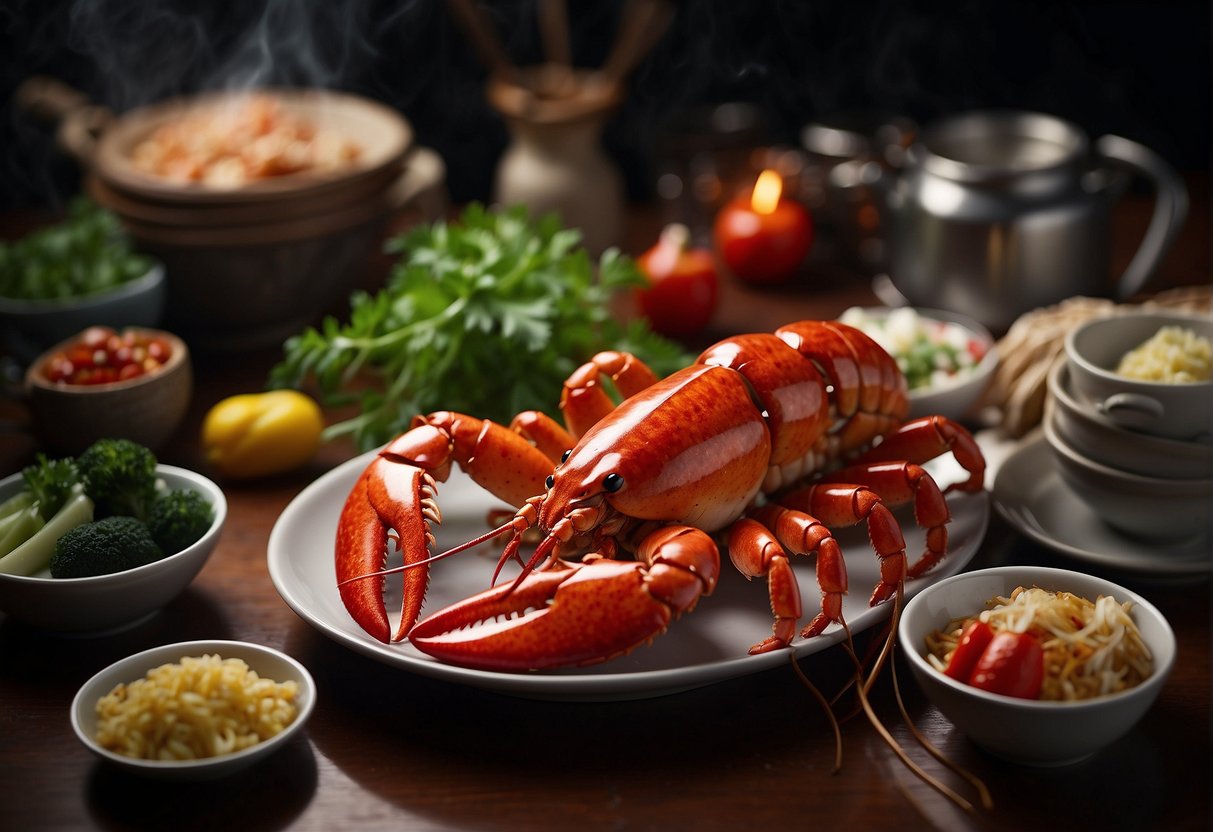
x: 1029, y: 492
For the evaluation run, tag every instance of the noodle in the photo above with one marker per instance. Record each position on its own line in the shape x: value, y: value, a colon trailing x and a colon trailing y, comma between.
x: 1090, y: 648
x: 199, y: 707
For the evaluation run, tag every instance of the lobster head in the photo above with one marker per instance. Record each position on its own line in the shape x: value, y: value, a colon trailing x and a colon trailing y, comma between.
x: 699, y: 462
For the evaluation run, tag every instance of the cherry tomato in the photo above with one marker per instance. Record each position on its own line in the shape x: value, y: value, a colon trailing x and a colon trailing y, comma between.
x: 102, y: 356
x: 1012, y: 664
x: 976, y: 635
x: 681, y: 296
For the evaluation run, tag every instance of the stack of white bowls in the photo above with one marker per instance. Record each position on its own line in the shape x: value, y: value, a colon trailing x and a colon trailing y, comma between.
x: 1137, y: 452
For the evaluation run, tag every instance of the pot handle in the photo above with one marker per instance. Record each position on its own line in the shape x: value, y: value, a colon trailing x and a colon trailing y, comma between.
x: 1170, y: 208
x: 80, y: 122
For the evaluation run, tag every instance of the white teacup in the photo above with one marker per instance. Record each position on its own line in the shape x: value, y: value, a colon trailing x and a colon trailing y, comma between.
x: 1095, y: 348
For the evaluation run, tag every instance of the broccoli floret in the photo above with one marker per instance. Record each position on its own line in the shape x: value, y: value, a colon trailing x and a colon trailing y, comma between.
x: 50, y: 481
x: 178, y: 519
x: 113, y: 544
x: 120, y: 476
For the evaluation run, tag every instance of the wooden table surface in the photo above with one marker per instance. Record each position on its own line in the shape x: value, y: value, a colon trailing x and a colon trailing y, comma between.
x: 388, y: 749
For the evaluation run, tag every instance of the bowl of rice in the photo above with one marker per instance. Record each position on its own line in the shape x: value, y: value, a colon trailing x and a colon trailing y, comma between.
x: 1105, y: 651
x: 946, y: 358
x: 1147, y: 371
x: 194, y: 710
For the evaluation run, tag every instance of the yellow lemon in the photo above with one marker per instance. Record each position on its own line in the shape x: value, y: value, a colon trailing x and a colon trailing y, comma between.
x: 258, y: 434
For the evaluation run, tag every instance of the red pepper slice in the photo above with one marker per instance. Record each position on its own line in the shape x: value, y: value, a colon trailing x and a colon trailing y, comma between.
x: 1012, y: 664
x: 973, y: 640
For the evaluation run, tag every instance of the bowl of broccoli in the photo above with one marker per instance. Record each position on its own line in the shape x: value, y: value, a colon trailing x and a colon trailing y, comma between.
x: 101, y: 541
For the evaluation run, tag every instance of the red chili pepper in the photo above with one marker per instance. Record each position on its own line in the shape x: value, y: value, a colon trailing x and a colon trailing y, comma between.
x: 1012, y: 664
x: 973, y: 640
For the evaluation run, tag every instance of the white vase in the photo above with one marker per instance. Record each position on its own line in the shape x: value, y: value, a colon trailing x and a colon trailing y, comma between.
x: 555, y: 162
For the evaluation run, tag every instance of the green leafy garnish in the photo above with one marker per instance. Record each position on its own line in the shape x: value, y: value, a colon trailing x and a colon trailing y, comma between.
x: 487, y: 316
x: 86, y: 253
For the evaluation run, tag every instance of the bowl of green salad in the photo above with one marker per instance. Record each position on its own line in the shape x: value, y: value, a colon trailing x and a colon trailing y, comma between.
x: 946, y: 358
x: 79, y: 272
x: 99, y: 542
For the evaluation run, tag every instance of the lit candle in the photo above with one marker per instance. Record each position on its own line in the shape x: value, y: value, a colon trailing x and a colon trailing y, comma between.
x: 765, y: 238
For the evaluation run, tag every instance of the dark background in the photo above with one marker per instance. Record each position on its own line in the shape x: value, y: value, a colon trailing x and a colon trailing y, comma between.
x: 1139, y: 68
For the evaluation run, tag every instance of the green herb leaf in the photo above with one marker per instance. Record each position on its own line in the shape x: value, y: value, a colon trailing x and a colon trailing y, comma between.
x: 486, y: 316
x: 86, y: 253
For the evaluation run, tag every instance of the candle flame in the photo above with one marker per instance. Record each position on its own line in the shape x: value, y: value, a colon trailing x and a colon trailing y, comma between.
x: 767, y: 191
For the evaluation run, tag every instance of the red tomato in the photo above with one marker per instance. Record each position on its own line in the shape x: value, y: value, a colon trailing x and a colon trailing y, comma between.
x: 100, y: 356
x: 681, y: 296
x: 976, y: 635
x: 1012, y: 664
x: 763, y: 248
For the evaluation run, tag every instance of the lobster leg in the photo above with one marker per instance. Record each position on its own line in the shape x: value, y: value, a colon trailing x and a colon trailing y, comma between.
x: 898, y: 483
x: 756, y: 552
x: 576, y: 613
x: 584, y: 401
x: 802, y: 533
x: 924, y: 439
x: 396, y: 493
x: 837, y: 505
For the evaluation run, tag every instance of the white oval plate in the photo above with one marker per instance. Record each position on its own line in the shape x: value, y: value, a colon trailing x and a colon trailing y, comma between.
x: 267, y: 662
x: 706, y: 646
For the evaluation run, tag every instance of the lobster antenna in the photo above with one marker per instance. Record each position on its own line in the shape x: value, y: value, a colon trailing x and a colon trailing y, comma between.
x: 462, y: 547
x: 861, y: 690
x: 976, y: 782
x: 820, y: 697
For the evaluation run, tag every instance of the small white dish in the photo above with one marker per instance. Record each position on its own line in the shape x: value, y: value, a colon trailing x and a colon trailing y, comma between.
x: 1029, y: 493
x: 267, y: 662
x: 957, y: 396
x: 106, y: 603
x: 1029, y: 731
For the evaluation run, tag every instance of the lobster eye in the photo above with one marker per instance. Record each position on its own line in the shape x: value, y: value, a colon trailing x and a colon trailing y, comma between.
x: 612, y: 482
x: 551, y: 482
x: 564, y: 457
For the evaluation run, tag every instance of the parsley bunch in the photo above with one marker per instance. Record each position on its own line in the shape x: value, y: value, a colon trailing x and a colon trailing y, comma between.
x: 87, y: 252
x: 486, y: 316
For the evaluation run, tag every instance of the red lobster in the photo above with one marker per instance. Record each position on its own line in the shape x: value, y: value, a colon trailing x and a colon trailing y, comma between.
x: 772, y: 438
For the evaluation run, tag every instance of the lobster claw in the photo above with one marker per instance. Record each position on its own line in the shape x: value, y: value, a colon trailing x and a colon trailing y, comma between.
x: 388, y: 495
x: 570, y: 614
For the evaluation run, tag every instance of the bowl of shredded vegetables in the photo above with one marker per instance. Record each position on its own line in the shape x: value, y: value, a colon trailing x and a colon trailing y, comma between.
x: 946, y: 358
x: 1038, y: 666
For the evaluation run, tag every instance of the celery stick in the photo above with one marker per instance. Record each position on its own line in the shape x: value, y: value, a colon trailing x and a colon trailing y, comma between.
x: 12, y: 520
x: 23, y: 526
x: 35, y: 553
x: 17, y: 502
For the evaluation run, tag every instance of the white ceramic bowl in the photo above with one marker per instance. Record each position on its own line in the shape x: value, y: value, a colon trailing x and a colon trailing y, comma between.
x: 1093, y: 351
x: 957, y: 396
x: 1149, y: 507
x: 106, y: 603
x: 265, y: 661
x: 1098, y: 438
x: 31, y: 326
x: 1030, y: 731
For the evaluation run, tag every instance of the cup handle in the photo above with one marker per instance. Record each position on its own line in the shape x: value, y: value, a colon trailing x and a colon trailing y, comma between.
x: 1136, y: 407
x: 1170, y: 208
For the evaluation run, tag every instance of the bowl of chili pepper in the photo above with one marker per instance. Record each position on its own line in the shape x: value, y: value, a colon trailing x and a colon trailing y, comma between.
x: 1035, y: 665
x: 133, y: 383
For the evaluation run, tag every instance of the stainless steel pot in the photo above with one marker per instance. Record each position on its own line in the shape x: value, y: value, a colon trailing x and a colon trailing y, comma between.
x: 997, y: 213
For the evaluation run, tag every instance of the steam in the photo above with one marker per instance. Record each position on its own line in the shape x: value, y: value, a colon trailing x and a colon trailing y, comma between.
x: 145, y: 52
